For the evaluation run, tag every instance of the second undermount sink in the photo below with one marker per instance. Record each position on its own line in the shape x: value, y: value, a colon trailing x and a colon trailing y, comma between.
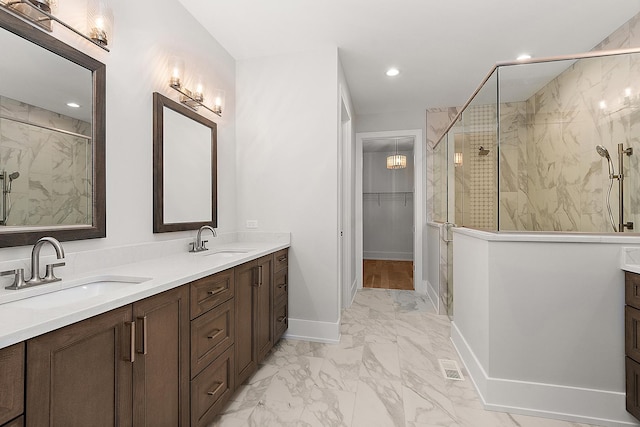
x: 85, y: 289
x: 226, y: 253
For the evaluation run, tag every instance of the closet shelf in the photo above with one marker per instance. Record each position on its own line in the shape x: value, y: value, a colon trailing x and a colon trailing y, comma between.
x: 404, y: 195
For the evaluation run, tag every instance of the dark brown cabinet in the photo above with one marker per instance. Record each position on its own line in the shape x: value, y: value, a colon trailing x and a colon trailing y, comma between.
x: 173, y: 359
x: 254, y: 314
x: 129, y: 366
x: 280, y: 294
x: 212, y: 345
x: 11, y: 383
x: 161, y: 367
x: 632, y: 342
x: 80, y: 375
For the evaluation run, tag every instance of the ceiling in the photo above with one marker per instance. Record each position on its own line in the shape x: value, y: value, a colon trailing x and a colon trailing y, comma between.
x: 387, y: 145
x: 443, y: 49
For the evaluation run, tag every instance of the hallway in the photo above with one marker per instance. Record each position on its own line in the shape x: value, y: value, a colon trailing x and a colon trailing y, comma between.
x: 384, y: 372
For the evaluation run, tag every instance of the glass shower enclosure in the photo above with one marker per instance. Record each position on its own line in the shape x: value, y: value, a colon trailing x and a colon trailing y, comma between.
x: 544, y: 145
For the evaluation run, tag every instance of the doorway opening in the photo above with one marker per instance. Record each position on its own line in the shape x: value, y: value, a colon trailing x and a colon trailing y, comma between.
x: 390, y: 214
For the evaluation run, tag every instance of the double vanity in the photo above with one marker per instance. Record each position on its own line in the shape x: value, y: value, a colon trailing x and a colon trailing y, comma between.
x: 163, y: 341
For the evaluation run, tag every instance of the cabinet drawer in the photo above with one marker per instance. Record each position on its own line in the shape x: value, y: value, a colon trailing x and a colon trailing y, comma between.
x: 632, y: 289
x: 280, y: 286
x: 11, y: 382
x: 211, y: 389
x: 210, y: 291
x: 280, y: 321
x: 211, y: 334
x: 633, y: 387
x: 632, y: 332
x: 281, y: 259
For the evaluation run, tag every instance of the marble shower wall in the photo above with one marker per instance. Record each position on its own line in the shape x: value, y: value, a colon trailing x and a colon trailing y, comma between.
x: 551, y: 178
x: 54, y: 186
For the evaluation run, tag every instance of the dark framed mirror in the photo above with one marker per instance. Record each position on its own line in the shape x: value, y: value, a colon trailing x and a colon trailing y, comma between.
x: 52, y: 138
x: 184, y: 167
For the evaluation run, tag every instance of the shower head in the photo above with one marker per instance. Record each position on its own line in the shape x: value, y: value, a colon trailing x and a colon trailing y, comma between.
x: 603, y: 152
x: 14, y: 175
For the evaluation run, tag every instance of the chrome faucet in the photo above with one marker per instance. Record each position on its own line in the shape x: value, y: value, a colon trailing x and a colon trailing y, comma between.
x: 49, y: 277
x: 35, y: 262
x: 200, y: 245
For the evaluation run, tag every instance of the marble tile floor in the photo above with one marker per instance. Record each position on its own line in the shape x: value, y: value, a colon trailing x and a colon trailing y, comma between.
x: 383, y: 373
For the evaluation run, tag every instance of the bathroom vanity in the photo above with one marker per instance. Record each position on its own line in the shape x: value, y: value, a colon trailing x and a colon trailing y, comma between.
x: 173, y: 358
x: 632, y: 346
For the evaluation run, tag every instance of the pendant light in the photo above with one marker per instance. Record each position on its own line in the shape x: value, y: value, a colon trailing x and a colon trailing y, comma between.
x: 397, y: 161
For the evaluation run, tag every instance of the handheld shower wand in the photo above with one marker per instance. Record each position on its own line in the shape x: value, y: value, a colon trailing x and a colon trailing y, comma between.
x: 603, y: 152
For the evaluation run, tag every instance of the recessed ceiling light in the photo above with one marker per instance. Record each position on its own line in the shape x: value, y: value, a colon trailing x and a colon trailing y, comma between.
x: 523, y: 57
x: 73, y: 105
x: 392, y: 72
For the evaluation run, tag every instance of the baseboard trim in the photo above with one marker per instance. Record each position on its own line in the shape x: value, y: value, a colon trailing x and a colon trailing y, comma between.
x: 310, y: 330
x: 433, y: 296
x: 389, y: 256
x: 590, y: 406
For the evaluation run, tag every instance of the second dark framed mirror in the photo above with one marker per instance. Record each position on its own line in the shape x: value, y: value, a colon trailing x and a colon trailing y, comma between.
x: 184, y: 167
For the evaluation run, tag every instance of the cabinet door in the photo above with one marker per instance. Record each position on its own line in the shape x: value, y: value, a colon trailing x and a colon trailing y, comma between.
x: 80, y: 375
x: 161, y: 368
x: 264, y: 307
x: 11, y: 382
x: 245, y: 283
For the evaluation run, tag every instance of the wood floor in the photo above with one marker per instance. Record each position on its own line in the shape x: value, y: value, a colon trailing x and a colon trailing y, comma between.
x: 385, y: 274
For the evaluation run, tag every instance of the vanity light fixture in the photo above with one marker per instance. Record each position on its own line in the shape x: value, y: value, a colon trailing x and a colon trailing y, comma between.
x: 39, y: 13
x: 396, y: 161
x: 193, y: 99
x: 99, y: 22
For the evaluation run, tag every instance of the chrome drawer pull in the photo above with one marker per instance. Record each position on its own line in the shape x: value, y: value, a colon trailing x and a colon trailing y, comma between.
x: 214, y: 333
x: 282, y: 285
x: 218, y: 386
x: 132, y: 343
x: 281, y: 319
x: 216, y: 291
x: 283, y: 258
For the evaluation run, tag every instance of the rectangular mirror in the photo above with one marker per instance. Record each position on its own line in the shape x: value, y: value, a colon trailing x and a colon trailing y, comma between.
x: 184, y: 168
x: 52, y: 138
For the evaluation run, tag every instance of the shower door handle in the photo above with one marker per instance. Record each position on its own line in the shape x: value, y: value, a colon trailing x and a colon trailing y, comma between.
x: 446, y: 227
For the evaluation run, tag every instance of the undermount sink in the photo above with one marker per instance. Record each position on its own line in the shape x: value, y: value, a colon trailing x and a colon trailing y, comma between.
x: 226, y: 253
x: 85, y: 289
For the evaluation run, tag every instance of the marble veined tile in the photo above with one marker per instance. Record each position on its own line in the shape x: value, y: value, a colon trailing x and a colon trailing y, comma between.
x: 469, y: 417
x: 378, y: 404
x: 341, y: 369
x: 276, y: 413
x: 380, y: 361
x: 422, y: 411
x: 328, y: 408
x: 255, y: 387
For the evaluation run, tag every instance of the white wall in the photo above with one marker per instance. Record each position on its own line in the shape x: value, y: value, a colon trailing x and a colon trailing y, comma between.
x: 287, y: 126
x: 543, y: 341
x: 387, y: 218
x: 146, y: 34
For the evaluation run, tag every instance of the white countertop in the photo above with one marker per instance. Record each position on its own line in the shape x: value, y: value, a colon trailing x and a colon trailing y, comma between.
x: 21, y: 319
x: 630, y: 259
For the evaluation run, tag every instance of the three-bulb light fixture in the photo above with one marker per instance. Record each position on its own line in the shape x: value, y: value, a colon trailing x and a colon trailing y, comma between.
x: 41, y: 13
x: 193, y: 99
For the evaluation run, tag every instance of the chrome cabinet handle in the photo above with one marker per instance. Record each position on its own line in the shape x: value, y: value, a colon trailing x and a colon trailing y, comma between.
x: 281, y: 319
x: 216, y: 291
x: 259, y: 275
x: 214, y: 333
x: 218, y: 386
x: 283, y: 258
x: 132, y: 342
x: 144, y: 343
